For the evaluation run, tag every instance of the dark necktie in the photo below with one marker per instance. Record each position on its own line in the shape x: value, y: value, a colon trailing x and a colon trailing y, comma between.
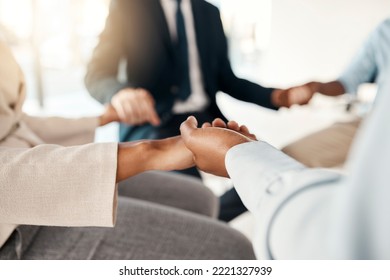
x: 182, y: 55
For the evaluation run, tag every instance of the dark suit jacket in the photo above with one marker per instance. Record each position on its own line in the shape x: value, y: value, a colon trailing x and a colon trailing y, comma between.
x: 137, y: 31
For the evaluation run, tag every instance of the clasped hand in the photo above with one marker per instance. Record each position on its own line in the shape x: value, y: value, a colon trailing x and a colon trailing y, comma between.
x: 210, y: 143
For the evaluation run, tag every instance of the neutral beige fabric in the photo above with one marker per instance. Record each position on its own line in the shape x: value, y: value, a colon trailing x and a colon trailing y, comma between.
x: 42, y: 182
x: 326, y: 148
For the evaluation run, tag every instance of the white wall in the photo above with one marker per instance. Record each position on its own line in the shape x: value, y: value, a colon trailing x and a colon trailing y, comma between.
x: 315, y: 39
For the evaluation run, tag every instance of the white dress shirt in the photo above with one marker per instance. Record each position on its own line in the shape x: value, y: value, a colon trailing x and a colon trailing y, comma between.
x: 304, y: 213
x: 198, y: 100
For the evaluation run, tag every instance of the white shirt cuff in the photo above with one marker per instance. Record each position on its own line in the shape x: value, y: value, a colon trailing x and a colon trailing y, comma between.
x: 255, y: 167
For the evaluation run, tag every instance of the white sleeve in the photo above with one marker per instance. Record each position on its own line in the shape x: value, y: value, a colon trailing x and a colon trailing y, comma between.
x: 256, y: 168
x: 63, y: 131
x: 268, y: 182
x: 306, y: 213
x: 362, y: 206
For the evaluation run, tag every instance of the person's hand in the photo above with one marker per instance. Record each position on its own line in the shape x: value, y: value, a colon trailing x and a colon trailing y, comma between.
x: 299, y: 95
x: 232, y: 125
x: 210, y: 143
x: 135, y: 107
x: 109, y: 115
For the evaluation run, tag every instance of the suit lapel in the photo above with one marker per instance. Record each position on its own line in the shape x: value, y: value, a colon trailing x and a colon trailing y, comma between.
x: 201, y: 33
x: 161, y: 25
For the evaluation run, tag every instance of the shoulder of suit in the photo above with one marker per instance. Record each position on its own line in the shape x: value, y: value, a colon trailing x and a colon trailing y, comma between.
x: 210, y: 7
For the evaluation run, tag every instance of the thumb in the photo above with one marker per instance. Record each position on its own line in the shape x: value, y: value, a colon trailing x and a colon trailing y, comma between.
x: 154, y: 118
x: 188, y: 126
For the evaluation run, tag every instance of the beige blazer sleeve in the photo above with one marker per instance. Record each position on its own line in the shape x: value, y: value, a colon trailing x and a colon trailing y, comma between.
x: 62, y: 131
x: 59, y: 186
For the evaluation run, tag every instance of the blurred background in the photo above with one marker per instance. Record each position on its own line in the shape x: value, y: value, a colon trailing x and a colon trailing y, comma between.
x: 278, y: 43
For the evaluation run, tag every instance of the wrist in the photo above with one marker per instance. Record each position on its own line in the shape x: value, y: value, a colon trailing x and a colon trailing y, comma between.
x: 102, y: 120
x: 133, y: 158
x: 275, y: 98
x: 153, y: 151
x: 149, y: 156
x: 333, y: 88
x: 110, y: 115
x: 166, y: 155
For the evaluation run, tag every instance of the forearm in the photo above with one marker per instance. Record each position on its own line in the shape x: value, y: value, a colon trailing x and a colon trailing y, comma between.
x: 103, y: 88
x: 243, y: 89
x: 101, y: 78
x: 254, y: 93
x: 334, y: 88
x: 145, y: 155
x: 246, y: 91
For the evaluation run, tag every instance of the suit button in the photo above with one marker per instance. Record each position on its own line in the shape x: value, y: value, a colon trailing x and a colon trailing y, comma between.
x: 175, y: 90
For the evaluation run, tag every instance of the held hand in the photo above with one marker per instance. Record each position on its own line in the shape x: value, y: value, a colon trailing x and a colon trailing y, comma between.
x: 210, y: 144
x: 299, y: 95
x: 135, y: 107
x: 232, y: 125
x: 109, y: 115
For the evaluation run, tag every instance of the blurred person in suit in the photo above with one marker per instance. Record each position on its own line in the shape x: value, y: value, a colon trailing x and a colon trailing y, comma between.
x: 176, y: 61
x: 59, y: 194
